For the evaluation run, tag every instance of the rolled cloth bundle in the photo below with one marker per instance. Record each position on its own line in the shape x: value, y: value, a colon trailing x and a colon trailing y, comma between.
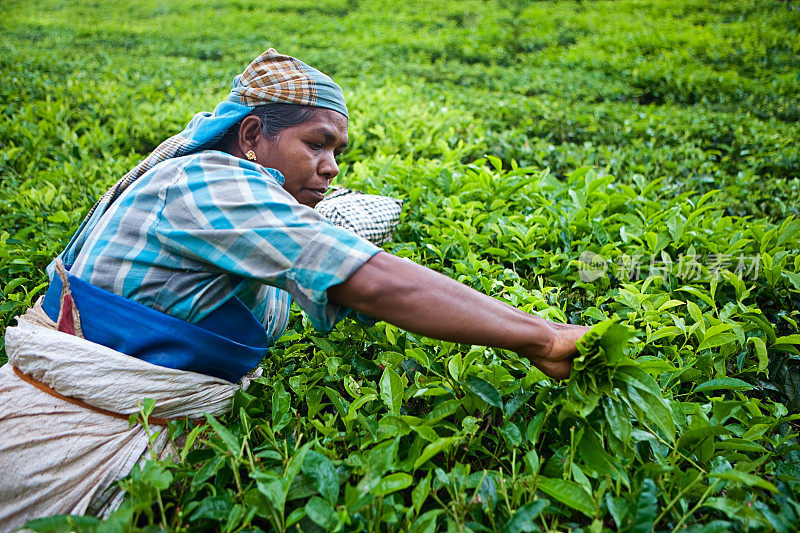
x: 63, y: 455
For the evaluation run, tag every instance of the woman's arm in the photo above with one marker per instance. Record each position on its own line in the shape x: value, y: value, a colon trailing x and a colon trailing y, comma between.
x: 423, y: 301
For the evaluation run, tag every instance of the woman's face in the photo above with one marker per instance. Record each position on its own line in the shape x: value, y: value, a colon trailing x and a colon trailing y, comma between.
x: 306, y: 154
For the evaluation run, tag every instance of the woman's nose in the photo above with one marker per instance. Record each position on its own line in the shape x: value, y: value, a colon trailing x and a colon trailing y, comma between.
x: 328, y: 166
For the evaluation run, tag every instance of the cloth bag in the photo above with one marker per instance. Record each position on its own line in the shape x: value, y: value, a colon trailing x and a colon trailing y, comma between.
x: 370, y: 216
x: 60, y: 458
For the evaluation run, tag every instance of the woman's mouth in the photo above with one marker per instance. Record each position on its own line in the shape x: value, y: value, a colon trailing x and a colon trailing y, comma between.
x: 311, y: 196
x: 318, y: 193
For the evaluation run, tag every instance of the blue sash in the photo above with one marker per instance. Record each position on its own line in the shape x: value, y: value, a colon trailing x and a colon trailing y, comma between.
x: 227, y: 344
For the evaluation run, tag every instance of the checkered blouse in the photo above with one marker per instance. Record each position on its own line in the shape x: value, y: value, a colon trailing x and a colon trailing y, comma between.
x: 197, y: 230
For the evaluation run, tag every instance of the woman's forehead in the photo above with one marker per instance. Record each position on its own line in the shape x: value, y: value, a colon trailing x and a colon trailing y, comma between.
x: 327, y: 123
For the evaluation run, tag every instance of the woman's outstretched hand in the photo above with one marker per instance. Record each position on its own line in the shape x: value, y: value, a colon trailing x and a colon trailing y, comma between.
x: 423, y: 301
x: 556, y: 360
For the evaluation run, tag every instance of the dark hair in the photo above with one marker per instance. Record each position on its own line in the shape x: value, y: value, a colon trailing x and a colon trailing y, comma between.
x: 274, y: 119
x: 277, y: 117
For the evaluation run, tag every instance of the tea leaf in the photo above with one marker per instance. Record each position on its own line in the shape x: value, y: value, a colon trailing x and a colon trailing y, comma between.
x: 321, y: 512
x: 321, y: 470
x: 523, y: 518
x: 391, y: 390
x: 435, y: 448
x: 484, y: 390
x: 723, y: 384
x: 392, y: 483
x: 644, y: 509
x: 568, y: 493
x: 749, y: 480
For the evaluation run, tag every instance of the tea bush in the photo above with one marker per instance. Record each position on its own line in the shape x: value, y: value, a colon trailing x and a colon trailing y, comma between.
x: 627, y: 165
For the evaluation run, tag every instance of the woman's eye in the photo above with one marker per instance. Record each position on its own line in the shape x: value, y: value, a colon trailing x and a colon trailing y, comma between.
x: 315, y: 146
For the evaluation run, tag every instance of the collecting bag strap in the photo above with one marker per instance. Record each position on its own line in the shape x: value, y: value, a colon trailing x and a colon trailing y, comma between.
x: 80, y: 403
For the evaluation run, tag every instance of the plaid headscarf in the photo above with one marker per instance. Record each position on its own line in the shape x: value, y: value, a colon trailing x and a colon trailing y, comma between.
x: 276, y: 78
x: 270, y: 78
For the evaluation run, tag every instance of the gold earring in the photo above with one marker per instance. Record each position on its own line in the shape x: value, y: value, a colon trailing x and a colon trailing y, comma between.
x: 251, y: 155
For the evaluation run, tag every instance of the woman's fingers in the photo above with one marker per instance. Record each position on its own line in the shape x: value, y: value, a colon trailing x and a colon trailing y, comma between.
x: 564, y: 345
x: 557, y: 361
x: 554, y: 369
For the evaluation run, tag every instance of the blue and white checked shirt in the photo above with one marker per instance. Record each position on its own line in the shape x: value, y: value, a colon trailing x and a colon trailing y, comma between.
x: 197, y: 230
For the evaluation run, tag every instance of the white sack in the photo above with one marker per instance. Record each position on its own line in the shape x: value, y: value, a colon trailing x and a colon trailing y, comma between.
x: 59, y: 458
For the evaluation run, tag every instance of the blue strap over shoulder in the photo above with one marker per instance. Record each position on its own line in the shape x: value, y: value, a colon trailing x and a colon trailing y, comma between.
x: 227, y: 344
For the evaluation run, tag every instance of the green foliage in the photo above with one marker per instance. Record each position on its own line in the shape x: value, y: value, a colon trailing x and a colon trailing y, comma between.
x: 616, y: 164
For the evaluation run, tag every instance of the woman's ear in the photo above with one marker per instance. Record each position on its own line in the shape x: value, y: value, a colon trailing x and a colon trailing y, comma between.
x: 250, y: 134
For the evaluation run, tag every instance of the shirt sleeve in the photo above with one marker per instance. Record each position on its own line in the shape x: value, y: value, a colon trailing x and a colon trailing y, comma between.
x: 235, y: 216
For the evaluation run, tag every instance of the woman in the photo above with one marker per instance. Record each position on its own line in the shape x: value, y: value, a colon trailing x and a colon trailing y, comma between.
x: 180, y: 278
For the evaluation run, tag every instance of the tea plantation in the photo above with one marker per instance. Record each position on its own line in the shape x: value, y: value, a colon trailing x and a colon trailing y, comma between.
x: 625, y: 164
